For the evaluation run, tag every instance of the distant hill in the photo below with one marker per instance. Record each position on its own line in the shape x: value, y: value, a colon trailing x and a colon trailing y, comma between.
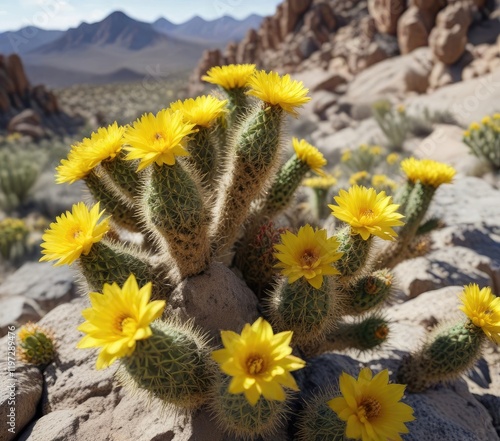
x: 117, y: 29
x: 221, y: 30
x: 26, y: 39
x: 120, y: 48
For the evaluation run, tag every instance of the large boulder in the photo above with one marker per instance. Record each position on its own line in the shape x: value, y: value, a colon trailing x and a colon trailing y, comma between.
x: 386, y: 14
x: 449, y: 37
x: 396, y: 76
x: 413, y: 30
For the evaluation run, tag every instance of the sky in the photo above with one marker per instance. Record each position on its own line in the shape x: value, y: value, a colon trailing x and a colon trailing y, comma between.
x: 63, y: 14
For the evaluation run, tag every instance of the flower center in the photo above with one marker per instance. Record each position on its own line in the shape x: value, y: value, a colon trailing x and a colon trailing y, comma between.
x: 255, y: 364
x: 368, y: 408
x: 368, y: 212
x: 308, y: 258
x: 126, y: 325
x: 158, y: 136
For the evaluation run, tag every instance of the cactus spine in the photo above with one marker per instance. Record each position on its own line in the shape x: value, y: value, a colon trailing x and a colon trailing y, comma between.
x: 356, y: 252
x: 36, y: 345
x: 109, y: 262
x: 255, y: 155
x: 365, y: 334
x: 123, y: 214
x: 318, y: 422
x: 367, y: 292
x: 416, y: 208
x: 173, y: 365
x: 237, y: 416
x: 307, y: 311
x: 176, y: 213
x: 445, y: 355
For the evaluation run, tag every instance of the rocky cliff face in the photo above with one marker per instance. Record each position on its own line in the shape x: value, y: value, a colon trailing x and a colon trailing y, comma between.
x: 28, y: 109
x: 348, y: 36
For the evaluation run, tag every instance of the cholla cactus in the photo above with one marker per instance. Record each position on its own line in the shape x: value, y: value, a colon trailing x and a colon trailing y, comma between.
x: 19, y: 172
x: 423, y: 179
x: 203, y: 181
x: 483, y: 139
x: 454, y: 348
x: 14, y: 235
x: 36, y: 345
x: 393, y: 122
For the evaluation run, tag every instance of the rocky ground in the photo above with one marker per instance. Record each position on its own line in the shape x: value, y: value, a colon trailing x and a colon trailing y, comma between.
x: 441, y: 60
x: 76, y: 402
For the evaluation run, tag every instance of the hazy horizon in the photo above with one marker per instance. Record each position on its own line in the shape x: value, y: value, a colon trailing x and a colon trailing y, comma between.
x: 65, y: 14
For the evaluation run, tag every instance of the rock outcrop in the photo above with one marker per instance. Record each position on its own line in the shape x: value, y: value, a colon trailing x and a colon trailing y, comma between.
x: 344, y: 38
x: 26, y: 109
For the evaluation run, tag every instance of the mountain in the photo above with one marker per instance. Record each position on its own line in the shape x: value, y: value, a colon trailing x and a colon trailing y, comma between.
x: 26, y: 39
x: 120, y: 48
x: 221, y: 30
x: 116, y: 29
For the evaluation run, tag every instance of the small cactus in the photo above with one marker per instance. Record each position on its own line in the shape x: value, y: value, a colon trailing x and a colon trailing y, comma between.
x: 452, y: 349
x: 483, y: 139
x: 36, y: 345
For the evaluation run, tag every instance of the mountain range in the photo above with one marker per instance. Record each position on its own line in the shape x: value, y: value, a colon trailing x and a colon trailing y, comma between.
x: 119, y: 48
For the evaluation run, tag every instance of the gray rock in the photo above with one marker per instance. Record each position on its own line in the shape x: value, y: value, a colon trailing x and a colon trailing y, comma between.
x: 392, y: 77
x: 19, y: 396
x: 43, y: 283
x: 467, y: 100
x: 468, y: 200
x: 440, y: 268
x: 216, y: 299
x: 17, y: 310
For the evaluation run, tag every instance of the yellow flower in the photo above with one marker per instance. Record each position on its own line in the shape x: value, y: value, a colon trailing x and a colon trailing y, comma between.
x: 104, y: 144
x: 259, y: 361
x: 76, y: 167
x: 322, y: 182
x: 496, y: 116
x: 483, y: 309
x: 367, y: 212
x: 376, y: 150
x: 117, y: 319
x: 358, y: 176
x: 232, y: 76
x: 486, y: 120
x: 310, y: 155
x: 308, y: 254
x: 427, y: 171
x: 157, y: 138
x: 392, y: 158
x: 278, y: 91
x: 371, y: 407
x: 401, y: 108
x: 346, y: 156
x: 201, y: 111
x: 383, y: 181
x: 73, y: 234
x: 474, y: 126
x: 467, y: 134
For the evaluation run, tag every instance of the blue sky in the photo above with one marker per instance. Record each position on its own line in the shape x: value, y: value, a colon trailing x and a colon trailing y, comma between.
x: 62, y: 14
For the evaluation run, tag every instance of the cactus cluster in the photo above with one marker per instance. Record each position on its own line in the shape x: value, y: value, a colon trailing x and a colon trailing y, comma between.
x: 393, y: 121
x: 453, y: 348
x: 483, y: 139
x: 19, y: 170
x: 203, y: 181
x: 14, y: 234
